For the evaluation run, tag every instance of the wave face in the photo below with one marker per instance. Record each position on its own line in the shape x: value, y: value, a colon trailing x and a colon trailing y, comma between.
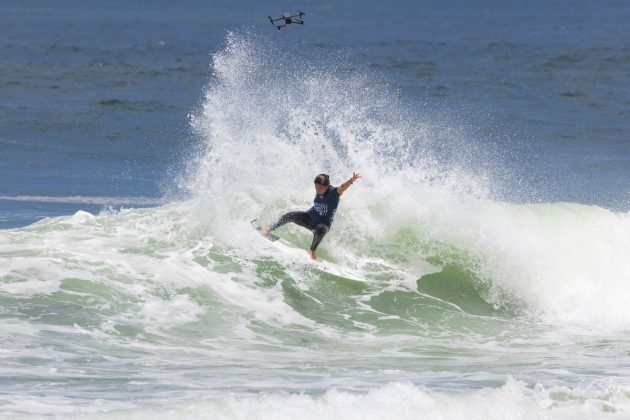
x: 427, y: 199
x: 186, y: 302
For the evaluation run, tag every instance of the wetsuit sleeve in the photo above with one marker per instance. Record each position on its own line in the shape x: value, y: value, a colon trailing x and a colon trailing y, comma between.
x: 336, y: 195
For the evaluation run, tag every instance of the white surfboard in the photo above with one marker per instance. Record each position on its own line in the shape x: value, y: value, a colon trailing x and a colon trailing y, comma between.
x: 321, y: 265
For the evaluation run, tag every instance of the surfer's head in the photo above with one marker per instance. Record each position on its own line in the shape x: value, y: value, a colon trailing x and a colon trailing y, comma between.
x: 322, y: 181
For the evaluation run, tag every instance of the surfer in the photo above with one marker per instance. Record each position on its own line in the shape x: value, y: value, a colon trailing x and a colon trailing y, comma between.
x: 318, y: 218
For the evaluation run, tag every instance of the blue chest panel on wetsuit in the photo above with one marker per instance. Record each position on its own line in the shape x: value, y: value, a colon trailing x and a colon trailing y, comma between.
x: 325, y: 206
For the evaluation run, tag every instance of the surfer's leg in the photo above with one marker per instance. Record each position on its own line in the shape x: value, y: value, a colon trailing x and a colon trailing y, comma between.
x: 298, y: 217
x: 318, y: 234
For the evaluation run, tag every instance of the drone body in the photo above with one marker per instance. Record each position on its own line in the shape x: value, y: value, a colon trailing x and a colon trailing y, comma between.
x: 288, y: 19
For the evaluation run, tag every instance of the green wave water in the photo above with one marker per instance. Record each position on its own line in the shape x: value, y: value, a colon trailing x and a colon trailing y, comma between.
x: 146, y: 302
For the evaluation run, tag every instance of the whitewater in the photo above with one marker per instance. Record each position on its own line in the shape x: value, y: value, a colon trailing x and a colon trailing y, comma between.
x: 477, y: 307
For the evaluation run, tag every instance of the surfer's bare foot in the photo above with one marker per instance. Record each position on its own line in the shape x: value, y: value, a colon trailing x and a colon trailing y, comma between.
x: 265, y: 231
x: 312, y: 255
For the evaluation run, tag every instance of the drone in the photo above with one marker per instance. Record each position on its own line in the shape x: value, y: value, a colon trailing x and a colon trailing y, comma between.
x: 288, y: 19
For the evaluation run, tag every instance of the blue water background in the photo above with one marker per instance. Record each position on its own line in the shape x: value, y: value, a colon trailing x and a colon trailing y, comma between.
x: 95, y: 96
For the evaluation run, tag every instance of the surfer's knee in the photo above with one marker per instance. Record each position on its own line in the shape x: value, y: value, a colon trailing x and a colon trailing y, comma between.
x: 318, y: 234
x: 321, y: 229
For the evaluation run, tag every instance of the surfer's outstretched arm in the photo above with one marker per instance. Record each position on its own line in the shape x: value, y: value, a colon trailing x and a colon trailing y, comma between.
x: 345, y: 185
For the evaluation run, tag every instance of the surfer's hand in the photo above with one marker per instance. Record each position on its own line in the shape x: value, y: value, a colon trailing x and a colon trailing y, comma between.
x: 345, y: 185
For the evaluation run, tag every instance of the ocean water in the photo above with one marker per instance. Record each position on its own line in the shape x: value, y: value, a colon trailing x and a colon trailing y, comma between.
x: 137, y: 141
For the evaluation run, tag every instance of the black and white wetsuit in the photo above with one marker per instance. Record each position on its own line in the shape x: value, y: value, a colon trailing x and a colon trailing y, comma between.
x: 317, y: 219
